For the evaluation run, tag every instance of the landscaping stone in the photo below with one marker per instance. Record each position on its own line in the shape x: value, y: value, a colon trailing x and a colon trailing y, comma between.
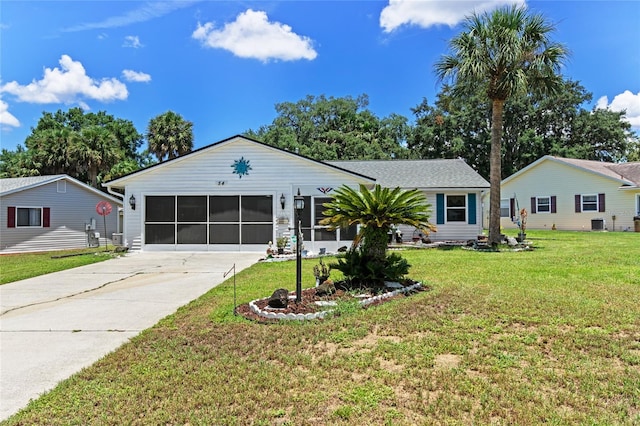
x: 279, y: 299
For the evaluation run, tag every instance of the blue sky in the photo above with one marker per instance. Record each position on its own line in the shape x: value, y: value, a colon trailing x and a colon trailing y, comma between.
x: 225, y: 65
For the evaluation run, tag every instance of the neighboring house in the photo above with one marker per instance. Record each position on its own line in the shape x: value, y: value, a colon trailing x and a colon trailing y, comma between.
x: 452, y: 187
x: 56, y: 212
x: 233, y: 195
x: 573, y: 194
x: 237, y: 195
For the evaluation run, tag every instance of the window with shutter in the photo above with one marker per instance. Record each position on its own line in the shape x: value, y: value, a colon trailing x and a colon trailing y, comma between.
x: 11, y: 217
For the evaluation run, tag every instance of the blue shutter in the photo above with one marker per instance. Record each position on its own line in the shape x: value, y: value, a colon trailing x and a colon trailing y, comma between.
x: 471, y: 209
x: 439, y: 209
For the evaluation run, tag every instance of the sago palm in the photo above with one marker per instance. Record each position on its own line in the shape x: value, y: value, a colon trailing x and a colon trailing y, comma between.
x: 376, y: 211
x: 505, y: 52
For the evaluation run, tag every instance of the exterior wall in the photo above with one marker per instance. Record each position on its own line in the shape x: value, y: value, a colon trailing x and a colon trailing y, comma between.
x: 70, y: 211
x: 210, y: 172
x: 550, y: 178
x: 457, y: 231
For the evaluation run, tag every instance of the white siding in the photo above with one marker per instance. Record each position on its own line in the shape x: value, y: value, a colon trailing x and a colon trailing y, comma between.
x: 550, y: 178
x: 210, y: 172
x: 70, y: 212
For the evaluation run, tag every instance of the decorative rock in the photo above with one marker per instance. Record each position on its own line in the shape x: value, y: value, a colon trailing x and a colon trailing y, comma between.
x: 279, y: 298
x: 393, y: 284
x: 326, y: 303
x: 512, y: 241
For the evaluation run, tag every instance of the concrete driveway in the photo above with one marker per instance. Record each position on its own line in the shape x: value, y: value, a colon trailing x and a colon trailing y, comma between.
x: 54, y: 325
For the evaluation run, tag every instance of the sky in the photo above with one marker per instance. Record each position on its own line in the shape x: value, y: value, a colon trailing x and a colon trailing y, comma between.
x: 224, y: 65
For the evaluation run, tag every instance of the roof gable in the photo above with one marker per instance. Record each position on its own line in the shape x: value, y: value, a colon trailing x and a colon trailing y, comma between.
x: 626, y: 174
x: 439, y: 173
x: 13, y: 185
x: 122, y: 181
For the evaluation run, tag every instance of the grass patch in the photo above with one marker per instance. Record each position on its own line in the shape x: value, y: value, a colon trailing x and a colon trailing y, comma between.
x: 20, y: 266
x: 550, y: 336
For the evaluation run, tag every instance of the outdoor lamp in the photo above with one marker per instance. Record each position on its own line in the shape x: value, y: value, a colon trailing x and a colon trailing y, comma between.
x: 282, y: 200
x: 298, y: 203
x: 132, y: 202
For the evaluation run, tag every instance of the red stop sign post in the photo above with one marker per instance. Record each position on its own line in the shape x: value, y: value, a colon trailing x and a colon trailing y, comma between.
x: 103, y: 208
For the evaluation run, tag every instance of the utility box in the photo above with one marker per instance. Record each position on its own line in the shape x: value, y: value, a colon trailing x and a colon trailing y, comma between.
x: 93, y: 239
x: 116, y: 239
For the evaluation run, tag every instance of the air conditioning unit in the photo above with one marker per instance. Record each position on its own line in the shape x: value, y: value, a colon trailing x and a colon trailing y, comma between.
x: 597, y: 224
x: 116, y: 239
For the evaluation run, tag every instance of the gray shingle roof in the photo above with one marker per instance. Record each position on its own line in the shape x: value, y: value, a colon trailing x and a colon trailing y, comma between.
x: 423, y: 174
x: 10, y: 185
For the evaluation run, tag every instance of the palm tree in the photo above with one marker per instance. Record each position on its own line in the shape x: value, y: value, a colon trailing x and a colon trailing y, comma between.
x: 506, y: 52
x: 169, y: 136
x: 376, y: 211
x: 96, y: 150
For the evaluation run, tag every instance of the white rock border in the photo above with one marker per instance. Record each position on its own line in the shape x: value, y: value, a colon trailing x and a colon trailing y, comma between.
x: 316, y: 315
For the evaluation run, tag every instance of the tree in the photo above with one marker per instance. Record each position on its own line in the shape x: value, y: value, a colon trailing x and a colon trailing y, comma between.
x: 533, y: 126
x: 61, y: 143
x: 95, y: 150
x: 506, y: 52
x: 169, y: 136
x: 16, y: 164
x: 376, y: 211
x: 335, y: 128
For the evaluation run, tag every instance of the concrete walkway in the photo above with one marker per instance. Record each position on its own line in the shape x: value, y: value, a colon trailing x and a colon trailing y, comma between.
x: 54, y: 325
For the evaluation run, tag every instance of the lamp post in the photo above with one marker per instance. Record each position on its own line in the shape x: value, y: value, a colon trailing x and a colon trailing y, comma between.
x: 298, y: 203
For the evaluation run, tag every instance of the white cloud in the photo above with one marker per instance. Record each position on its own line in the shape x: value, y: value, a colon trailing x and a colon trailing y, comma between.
x: 251, y: 35
x: 425, y: 13
x: 149, y: 10
x: 625, y: 101
x: 6, y: 118
x: 67, y: 84
x: 134, y: 76
x: 132, y: 41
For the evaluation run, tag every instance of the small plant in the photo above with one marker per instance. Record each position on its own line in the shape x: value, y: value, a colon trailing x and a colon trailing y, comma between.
x: 522, y: 224
x: 361, y: 270
x: 321, y: 271
x: 281, y: 242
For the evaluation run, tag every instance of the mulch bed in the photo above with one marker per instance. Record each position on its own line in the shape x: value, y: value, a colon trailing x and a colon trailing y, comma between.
x: 307, y: 304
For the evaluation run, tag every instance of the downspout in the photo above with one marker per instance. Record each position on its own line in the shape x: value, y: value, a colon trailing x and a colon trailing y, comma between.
x: 121, y: 197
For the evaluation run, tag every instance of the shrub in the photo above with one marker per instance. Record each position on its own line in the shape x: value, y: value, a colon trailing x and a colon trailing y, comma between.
x: 361, y: 270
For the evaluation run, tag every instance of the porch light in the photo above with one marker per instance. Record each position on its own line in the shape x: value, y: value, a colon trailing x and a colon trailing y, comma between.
x: 132, y: 202
x: 298, y: 203
x: 282, y: 201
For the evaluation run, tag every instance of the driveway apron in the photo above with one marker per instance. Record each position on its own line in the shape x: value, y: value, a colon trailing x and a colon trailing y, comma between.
x: 54, y: 325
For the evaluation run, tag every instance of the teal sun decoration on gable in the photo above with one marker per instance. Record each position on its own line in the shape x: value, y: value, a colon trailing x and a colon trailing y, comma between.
x: 241, y: 167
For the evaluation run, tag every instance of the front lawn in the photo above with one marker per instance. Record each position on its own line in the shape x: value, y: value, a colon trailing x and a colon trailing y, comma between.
x: 20, y: 266
x: 548, y: 336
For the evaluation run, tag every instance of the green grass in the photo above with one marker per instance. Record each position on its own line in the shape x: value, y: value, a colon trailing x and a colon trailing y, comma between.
x: 14, y: 267
x: 550, y: 336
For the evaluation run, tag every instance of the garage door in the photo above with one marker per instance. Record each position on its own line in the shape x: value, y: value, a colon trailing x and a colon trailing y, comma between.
x: 208, y: 220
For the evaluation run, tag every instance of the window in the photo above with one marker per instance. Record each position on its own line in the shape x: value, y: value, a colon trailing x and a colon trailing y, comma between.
x: 543, y: 204
x: 590, y: 203
x: 505, y: 208
x: 456, y: 208
x: 322, y: 233
x: 28, y: 216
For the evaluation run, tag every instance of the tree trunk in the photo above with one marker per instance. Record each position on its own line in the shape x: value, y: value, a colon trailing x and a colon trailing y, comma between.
x: 374, y: 243
x: 496, y: 171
